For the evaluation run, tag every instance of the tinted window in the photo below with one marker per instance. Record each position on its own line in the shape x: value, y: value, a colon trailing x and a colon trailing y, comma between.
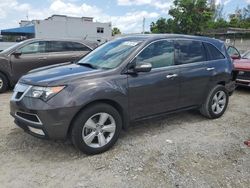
x: 188, y: 51
x: 159, y: 54
x: 63, y: 46
x: 56, y: 46
x: 78, y: 47
x: 35, y: 47
x: 213, y: 53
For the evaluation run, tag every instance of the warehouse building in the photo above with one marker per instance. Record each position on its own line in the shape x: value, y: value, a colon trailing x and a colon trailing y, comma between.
x: 61, y: 26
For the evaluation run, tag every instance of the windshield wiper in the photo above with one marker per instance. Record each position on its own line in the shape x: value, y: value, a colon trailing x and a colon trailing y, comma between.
x: 88, y: 65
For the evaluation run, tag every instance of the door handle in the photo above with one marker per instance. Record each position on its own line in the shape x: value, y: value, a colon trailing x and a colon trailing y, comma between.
x: 210, y: 68
x: 42, y: 58
x: 171, y: 76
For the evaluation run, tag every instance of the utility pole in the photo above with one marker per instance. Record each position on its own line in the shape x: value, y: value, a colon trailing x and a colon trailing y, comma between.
x: 143, y: 25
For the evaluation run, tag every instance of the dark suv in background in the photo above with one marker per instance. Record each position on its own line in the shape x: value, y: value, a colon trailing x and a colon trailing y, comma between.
x: 34, y: 53
x: 128, y: 79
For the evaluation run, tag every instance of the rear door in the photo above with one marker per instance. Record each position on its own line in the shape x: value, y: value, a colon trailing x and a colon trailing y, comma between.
x: 156, y: 91
x: 191, y: 57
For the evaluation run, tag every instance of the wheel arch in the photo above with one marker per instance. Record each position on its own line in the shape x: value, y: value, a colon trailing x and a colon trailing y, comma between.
x: 7, y: 77
x: 110, y: 102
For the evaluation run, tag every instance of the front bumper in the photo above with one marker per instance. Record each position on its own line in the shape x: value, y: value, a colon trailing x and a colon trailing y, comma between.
x: 243, y: 82
x: 42, y: 120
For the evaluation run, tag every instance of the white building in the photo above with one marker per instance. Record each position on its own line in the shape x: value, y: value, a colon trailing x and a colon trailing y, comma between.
x: 60, y: 26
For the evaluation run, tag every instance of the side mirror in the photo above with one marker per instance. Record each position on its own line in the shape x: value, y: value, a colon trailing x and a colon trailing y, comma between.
x: 143, y: 67
x: 17, y: 54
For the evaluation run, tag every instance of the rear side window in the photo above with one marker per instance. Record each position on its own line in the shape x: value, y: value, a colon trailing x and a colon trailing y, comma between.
x: 213, y: 53
x: 78, y: 47
x: 63, y: 46
x: 159, y: 54
x: 188, y: 51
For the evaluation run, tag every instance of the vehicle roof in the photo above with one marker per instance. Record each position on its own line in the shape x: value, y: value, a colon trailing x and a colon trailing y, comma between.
x: 150, y: 37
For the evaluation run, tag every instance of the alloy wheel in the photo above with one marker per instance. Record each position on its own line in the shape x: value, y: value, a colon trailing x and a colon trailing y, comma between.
x: 219, y: 102
x: 98, y: 130
x: 1, y: 83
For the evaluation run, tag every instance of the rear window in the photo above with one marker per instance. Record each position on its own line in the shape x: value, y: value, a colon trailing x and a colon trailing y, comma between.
x: 213, y: 53
x: 188, y: 51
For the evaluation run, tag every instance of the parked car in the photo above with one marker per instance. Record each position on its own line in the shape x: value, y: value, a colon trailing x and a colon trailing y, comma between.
x: 125, y: 80
x: 246, y: 55
x: 242, y: 65
x: 33, y: 53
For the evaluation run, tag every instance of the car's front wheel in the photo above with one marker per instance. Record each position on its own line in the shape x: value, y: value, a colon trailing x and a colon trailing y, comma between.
x: 216, y: 102
x: 3, y: 83
x: 96, y: 128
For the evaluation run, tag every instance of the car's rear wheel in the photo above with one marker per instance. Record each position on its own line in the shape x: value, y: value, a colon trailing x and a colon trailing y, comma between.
x: 96, y: 128
x: 216, y: 102
x: 3, y: 83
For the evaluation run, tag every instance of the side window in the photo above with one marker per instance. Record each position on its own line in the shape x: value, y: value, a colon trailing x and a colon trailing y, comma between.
x: 32, y: 48
x: 232, y: 51
x: 79, y: 47
x: 213, y: 53
x: 188, y: 51
x: 159, y: 54
x: 100, y: 30
x: 55, y: 46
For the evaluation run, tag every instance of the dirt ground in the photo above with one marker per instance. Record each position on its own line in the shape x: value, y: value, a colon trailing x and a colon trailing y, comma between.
x: 181, y: 150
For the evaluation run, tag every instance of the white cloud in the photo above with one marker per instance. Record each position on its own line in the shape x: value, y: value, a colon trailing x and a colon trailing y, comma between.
x: 163, y: 5
x: 128, y: 23
x: 224, y: 2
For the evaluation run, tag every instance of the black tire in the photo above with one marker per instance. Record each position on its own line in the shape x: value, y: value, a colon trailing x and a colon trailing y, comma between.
x: 3, y: 83
x: 81, y: 119
x: 206, y: 108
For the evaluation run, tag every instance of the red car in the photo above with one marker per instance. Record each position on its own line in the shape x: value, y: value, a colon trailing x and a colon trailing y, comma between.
x: 242, y: 65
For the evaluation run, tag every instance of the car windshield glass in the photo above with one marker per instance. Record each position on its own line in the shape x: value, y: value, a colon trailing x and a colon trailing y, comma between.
x: 12, y: 47
x: 246, y: 55
x: 111, y: 54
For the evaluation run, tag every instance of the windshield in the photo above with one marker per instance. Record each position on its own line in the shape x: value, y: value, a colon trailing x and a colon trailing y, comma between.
x: 111, y: 54
x: 12, y: 47
x: 246, y: 55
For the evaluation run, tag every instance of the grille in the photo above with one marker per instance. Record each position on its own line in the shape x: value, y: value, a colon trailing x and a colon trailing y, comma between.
x: 244, y: 76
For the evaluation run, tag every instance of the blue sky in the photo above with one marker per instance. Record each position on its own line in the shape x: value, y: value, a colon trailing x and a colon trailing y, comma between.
x: 125, y: 14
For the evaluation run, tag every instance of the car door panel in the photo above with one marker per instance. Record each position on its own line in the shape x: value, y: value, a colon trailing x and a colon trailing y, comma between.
x: 191, y: 56
x: 153, y: 93
x: 32, y: 55
x: 156, y: 91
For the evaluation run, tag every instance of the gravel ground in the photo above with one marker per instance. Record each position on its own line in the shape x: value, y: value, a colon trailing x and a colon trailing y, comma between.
x: 181, y: 150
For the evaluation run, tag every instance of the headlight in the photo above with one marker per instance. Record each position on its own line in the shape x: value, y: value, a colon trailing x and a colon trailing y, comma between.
x: 44, y: 93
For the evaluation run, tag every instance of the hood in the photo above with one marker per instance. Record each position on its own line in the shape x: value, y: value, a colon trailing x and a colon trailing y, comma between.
x: 242, y: 64
x: 58, y: 75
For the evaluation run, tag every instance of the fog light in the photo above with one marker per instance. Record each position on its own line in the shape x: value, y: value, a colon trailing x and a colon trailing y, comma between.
x: 37, y: 131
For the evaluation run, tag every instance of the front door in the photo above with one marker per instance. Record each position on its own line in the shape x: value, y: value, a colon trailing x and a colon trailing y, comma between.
x: 31, y: 56
x: 156, y: 91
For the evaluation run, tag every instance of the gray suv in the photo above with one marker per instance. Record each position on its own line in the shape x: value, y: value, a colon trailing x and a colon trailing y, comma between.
x: 34, y: 53
x: 127, y: 79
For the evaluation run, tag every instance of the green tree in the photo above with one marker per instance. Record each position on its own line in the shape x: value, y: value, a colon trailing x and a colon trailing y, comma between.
x: 115, y: 31
x: 190, y: 16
